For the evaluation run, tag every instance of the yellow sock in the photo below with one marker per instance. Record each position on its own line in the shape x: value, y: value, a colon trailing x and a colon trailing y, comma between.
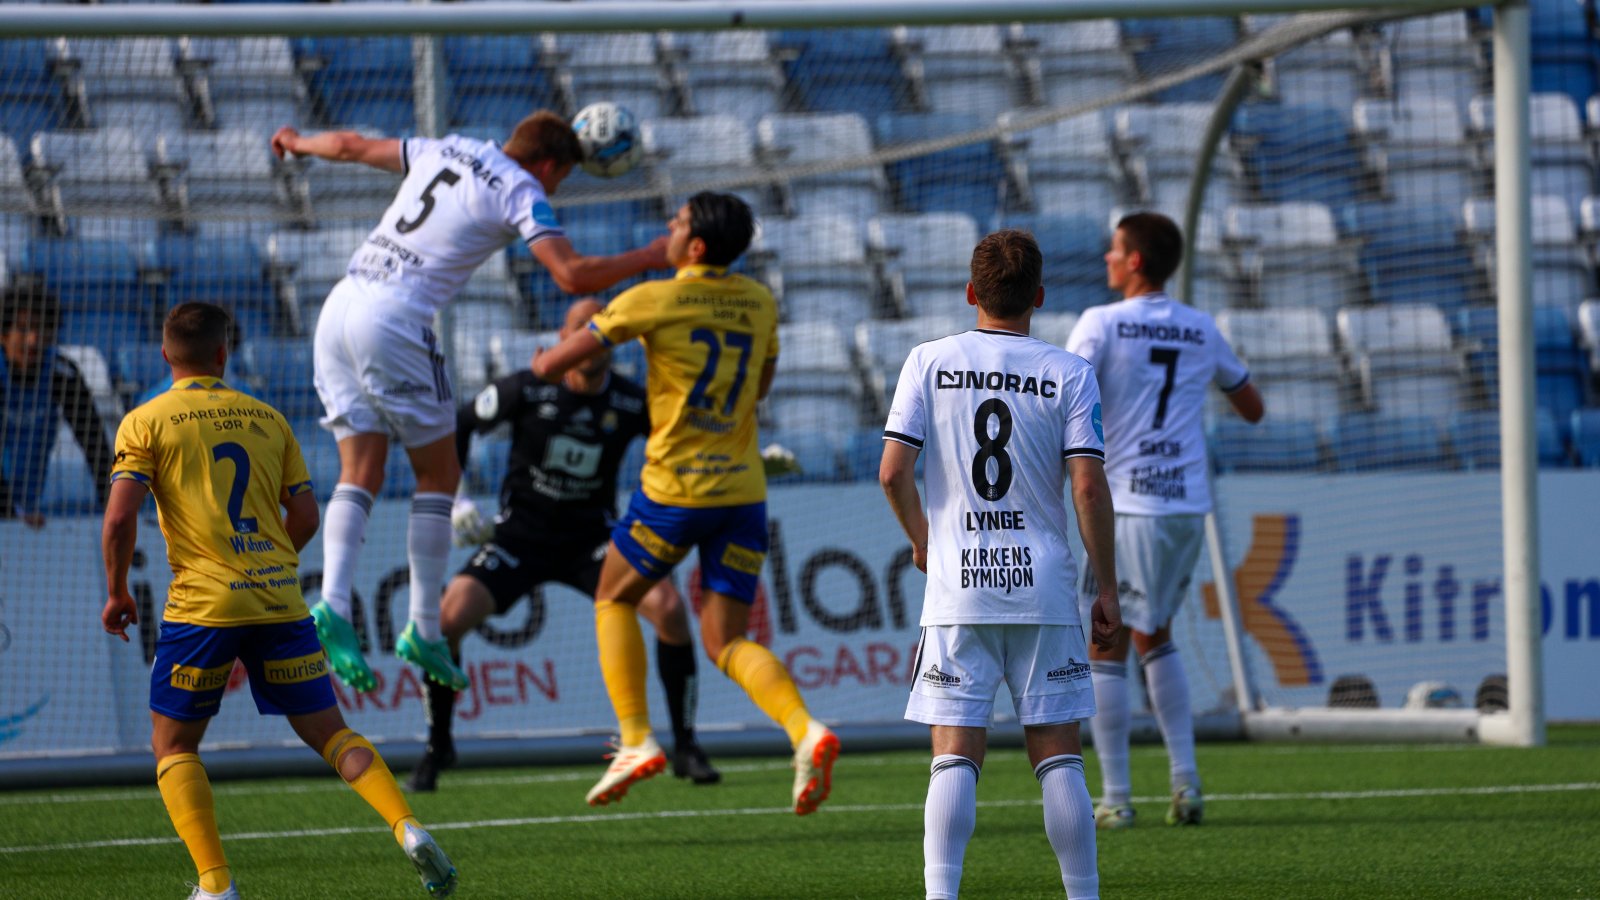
x: 623, y: 664
x: 763, y: 677
x: 376, y: 784
x: 187, y: 793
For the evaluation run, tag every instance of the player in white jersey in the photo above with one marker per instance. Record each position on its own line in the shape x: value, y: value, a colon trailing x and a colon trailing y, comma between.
x: 1005, y: 419
x: 379, y: 368
x: 1155, y: 358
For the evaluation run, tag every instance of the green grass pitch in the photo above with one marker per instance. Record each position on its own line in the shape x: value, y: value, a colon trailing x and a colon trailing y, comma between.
x: 1281, y: 821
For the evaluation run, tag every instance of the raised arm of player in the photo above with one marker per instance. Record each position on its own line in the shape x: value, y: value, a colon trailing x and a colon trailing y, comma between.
x: 1246, y: 401
x: 340, y: 146
x: 897, y: 473
x: 549, y: 365
x: 578, y: 274
x: 1091, y: 497
x: 119, y: 534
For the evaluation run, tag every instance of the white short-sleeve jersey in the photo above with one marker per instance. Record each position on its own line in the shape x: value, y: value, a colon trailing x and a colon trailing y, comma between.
x: 1155, y: 358
x: 462, y: 201
x: 997, y: 414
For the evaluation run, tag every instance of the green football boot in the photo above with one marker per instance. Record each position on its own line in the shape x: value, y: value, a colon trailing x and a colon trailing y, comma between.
x: 343, y: 646
x: 432, y: 656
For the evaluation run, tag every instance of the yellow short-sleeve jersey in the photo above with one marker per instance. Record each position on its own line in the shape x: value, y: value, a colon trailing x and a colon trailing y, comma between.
x: 220, y: 464
x: 707, y: 334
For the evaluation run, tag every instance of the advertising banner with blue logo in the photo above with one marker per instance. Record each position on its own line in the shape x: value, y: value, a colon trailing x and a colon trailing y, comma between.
x: 1354, y: 575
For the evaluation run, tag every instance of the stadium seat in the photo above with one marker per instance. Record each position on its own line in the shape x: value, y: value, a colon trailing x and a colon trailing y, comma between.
x: 321, y: 453
x: 245, y: 82
x: 1327, y: 70
x: 1365, y: 442
x: 819, y: 453
x: 362, y: 80
x: 69, y: 486
x: 686, y: 152
x: 13, y: 184
x: 1552, y: 448
x: 1289, y: 351
x: 1291, y: 253
x: 1585, y: 426
x: 807, y: 139
x: 1417, y: 147
x: 100, y: 171
x: 136, y: 366
x: 726, y: 72
x: 1298, y: 153
x: 884, y: 346
x: 959, y: 68
x: 281, y: 371
x: 229, y: 273
x: 496, y: 80
x: 15, y: 232
x: 128, y: 83
x: 1161, y: 46
x: 508, y: 350
x: 1074, y: 60
x: 30, y: 93
x: 1404, y: 360
x: 621, y: 68
x: 1560, y: 156
x: 346, y: 191
x: 1070, y: 163
x: 966, y: 179
x: 307, y: 264
x: 1561, y: 273
x: 1161, y: 144
x: 1433, y: 56
x: 844, y: 70
x: 138, y: 233
x: 1074, y: 250
x: 815, y: 358
x: 1272, y: 445
x: 1589, y: 331
x: 87, y: 274
x: 1475, y: 439
x: 916, y: 256
x: 818, y: 267
x: 224, y: 173
x: 1413, y: 254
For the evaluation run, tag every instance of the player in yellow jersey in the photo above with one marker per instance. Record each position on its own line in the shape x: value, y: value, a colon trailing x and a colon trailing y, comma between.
x: 711, y: 341
x: 235, y: 506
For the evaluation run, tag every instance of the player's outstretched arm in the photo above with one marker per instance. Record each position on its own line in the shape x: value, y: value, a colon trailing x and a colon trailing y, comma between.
x: 118, y: 536
x: 1091, y: 497
x: 340, y: 146
x: 898, y: 476
x: 1247, y: 402
x: 578, y: 274
x: 549, y: 365
x: 301, y: 518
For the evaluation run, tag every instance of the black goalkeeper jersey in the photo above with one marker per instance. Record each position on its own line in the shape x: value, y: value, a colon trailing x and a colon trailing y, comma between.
x: 565, y: 447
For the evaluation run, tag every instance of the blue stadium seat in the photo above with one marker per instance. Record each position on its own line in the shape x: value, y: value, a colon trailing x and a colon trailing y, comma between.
x: 967, y: 179
x: 1551, y: 445
x: 487, y: 466
x: 1298, y: 153
x: 1074, y: 258
x: 818, y: 452
x: 1412, y: 254
x: 496, y: 79
x: 281, y: 369
x: 1586, y: 436
x: 863, y: 454
x: 30, y: 96
x: 98, y: 276
x: 632, y: 465
x: 844, y: 70
x: 1273, y: 445
x: 362, y: 80
x: 137, y: 365
x: 69, y: 486
x: 1475, y: 439
x: 1165, y: 45
x: 1366, y: 442
x: 321, y: 453
x: 229, y: 273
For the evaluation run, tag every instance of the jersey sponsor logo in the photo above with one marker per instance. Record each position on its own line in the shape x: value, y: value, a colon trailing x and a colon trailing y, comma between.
x: 626, y: 403
x: 656, y: 545
x: 1147, y: 331
x: 1094, y: 419
x: 197, y: 680
x: 707, y: 422
x: 406, y: 388
x: 221, y: 412
x: 1072, y: 671
x: 293, y: 671
x: 1168, y: 449
x: 939, y: 679
x: 543, y: 214
x: 608, y: 421
x: 257, y: 430
x: 1164, y: 482
x: 576, y: 458
x: 967, y: 379
x: 743, y: 559
x: 492, y: 556
x: 244, y: 543
x: 999, y: 568
x: 487, y: 404
x: 406, y: 256
x: 548, y: 410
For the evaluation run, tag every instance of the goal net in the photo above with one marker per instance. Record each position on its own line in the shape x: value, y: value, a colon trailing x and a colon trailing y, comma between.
x: 1344, y: 243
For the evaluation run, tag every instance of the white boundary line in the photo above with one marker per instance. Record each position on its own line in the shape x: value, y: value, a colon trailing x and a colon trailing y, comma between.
x: 1385, y: 794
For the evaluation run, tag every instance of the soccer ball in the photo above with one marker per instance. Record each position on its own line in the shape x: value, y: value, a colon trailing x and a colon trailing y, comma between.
x: 610, y: 137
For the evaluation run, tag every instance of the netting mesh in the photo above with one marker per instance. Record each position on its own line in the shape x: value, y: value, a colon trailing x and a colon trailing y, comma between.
x: 1345, y: 244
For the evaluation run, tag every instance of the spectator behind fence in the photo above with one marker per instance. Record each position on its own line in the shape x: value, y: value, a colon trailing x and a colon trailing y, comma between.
x: 38, y: 386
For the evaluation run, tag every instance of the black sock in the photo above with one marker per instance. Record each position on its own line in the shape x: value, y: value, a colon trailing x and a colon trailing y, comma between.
x: 441, y: 709
x: 676, y: 666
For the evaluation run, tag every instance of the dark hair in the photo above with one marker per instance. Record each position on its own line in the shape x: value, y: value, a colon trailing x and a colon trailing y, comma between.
x: 1006, y: 272
x: 193, y: 332
x: 39, y: 306
x: 541, y: 136
x: 1158, y: 242
x: 724, y: 222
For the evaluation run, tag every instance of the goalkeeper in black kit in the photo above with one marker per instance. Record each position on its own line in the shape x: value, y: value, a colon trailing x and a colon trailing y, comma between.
x: 557, y: 507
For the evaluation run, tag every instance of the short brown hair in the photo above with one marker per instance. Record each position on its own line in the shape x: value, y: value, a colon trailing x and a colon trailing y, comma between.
x: 193, y: 332
x: 1006, y: 272
x: 1158, y: 242
x: 541, y: 136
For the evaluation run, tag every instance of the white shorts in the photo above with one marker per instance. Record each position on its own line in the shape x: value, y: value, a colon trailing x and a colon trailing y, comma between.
x: 380, y: 370
x: 1156, y: 556
x: 959, y: 669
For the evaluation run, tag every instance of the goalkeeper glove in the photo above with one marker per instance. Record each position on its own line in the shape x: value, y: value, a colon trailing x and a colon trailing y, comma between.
x: 468, y: 524
x: 779, y: 460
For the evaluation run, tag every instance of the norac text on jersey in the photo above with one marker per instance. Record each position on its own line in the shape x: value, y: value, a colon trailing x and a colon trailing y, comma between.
x: 969, y: 380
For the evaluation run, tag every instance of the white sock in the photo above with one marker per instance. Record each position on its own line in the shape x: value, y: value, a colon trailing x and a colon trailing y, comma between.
x: 1169, y: 699
x: 947, y: 823
x: 428, y: 549
x: 344, y: 530
x: 1069, y: 823
x: 1110, y: 729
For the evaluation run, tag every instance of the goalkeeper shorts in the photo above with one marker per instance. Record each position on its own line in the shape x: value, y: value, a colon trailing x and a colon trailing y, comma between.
x: 194, y: 664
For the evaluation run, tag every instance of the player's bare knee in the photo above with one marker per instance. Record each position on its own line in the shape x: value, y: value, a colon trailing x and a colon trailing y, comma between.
x: 354, y: 763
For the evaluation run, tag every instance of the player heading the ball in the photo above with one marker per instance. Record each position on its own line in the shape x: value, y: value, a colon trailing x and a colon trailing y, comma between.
x: 1006, y: 420
x: 236, y: 509
x: 711, y: 340
x: 380, y: 369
